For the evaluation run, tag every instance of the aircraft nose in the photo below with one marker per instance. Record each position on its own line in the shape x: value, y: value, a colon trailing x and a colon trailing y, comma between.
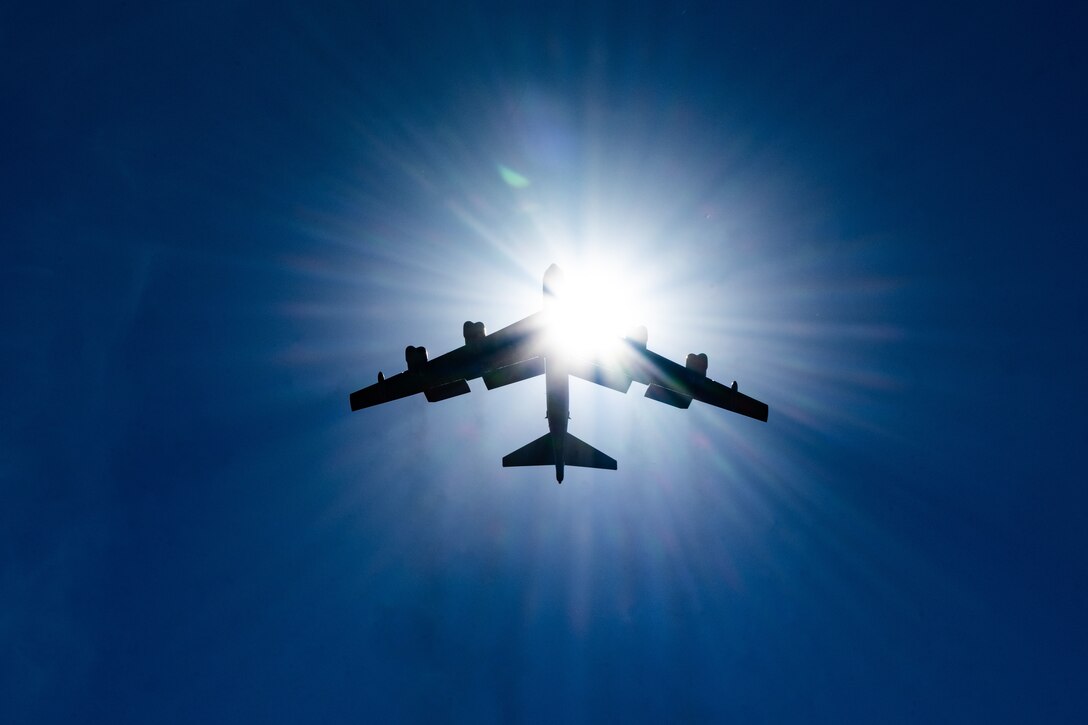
x: 553, y: 281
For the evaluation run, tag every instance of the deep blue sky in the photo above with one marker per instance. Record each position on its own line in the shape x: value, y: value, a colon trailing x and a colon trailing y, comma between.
x: 217, y: 222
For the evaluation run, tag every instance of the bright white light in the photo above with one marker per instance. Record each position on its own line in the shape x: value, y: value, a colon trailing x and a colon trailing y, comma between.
x: 594, y: 310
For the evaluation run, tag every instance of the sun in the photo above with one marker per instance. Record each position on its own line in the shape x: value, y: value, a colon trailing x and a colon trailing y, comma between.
x: 594, y: 307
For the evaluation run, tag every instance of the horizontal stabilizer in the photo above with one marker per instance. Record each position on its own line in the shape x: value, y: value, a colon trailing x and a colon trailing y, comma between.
x: 579, y: 453
x: 447, y: 391
x: 541, y: 452
x: 537, y: 453
x: 514, y: 373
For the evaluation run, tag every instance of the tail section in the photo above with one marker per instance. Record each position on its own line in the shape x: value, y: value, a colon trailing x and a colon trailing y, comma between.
x: 538, y: 453
x: 579, y: 453
x: 572, y: 452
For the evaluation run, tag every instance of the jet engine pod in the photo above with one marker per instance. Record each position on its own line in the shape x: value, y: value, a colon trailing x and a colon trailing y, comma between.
x: 474, y: 332
x: 416, y: 357
x: 697, y: 363
x: 638, y: 336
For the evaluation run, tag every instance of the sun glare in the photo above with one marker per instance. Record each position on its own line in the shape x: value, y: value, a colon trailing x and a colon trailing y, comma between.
x: 593, y: 310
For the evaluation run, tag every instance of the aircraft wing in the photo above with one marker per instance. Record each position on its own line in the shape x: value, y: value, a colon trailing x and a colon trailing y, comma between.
x: 506, y: 356
x: 669, y: 382
x: 675, y: 384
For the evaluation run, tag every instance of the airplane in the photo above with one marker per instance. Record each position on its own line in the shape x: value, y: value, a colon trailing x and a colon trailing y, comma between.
x: 530, y: 347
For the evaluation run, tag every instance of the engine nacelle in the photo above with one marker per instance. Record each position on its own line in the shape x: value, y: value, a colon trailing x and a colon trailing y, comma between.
x: 697, y: 363
x: 638, y: 336
x: 474, y: 332
x: 416, y: 357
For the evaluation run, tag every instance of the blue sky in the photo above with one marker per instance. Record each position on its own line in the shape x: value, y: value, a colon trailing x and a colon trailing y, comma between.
x: 218, y: 221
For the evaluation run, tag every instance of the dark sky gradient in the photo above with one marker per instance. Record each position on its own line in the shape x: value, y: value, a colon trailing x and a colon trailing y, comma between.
x: 217, y: 222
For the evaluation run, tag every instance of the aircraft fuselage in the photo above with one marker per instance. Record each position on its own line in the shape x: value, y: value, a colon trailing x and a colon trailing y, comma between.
x: 557, y: 380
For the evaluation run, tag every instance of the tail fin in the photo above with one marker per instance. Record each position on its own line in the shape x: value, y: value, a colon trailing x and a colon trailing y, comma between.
x: 541, y: 452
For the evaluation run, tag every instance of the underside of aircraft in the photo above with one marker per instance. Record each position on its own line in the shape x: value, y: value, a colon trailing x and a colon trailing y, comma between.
x: 530, y: 347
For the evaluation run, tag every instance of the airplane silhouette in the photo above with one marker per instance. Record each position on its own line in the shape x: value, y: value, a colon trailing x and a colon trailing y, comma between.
x: 530, y: 347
